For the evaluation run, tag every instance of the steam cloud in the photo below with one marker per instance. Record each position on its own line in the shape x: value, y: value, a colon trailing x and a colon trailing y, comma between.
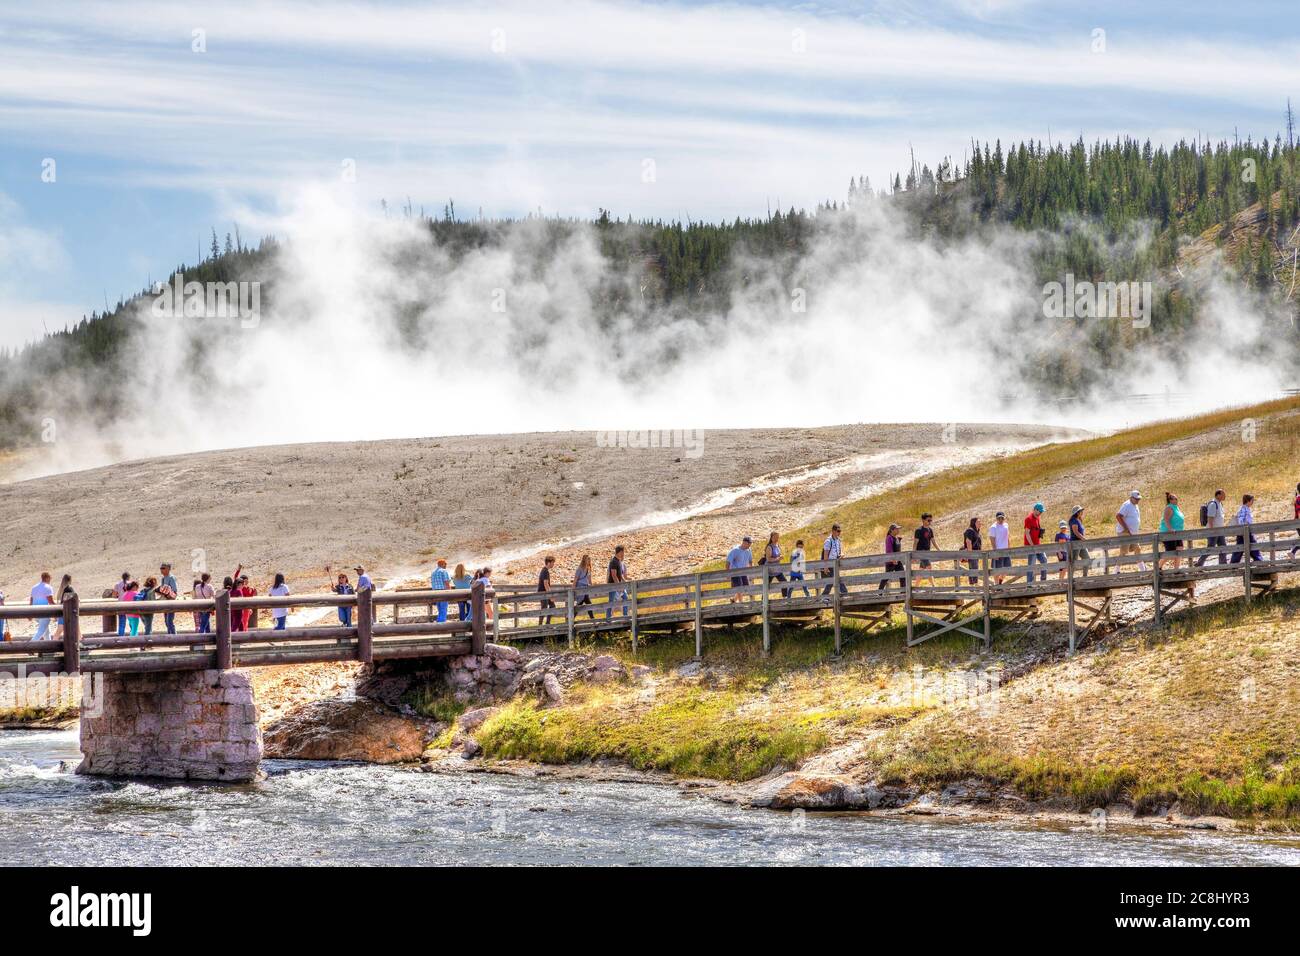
x: 375, y: 333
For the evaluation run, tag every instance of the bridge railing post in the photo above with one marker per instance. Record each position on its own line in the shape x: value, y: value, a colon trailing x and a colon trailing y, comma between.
x: 767, y: 593
x: 699, y: 618
x: 835, y: 582
x: 366, y: 625
x: 569, y: 615
x: 478, y: 618
x: 71, y: 634
x: 632, y: 598
x: 225, y: 655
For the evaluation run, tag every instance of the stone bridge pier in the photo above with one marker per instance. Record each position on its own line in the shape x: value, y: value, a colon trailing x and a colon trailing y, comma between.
x: 185, y: 725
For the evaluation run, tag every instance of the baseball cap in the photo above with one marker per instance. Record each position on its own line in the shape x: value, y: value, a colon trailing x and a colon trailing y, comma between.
x: 1038, y: 506
x: 1000, y: 514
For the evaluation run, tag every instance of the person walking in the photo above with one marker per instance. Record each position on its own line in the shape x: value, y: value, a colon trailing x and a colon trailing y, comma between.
x: 1034, y: 536
x: 616, y: 573
x: 923, y: 540
x: 42, y: 594
x: 1172, y: 520
x: 798, y: 562
x: 832, y: 550
x: 893, y: 545
x: 581, y: 582
x: 1128, y: 523
x: 1000, y: 537
x: 440, y: 580
x: 972, y: 540
x: 772, y: 555
x: 1077, y: 534
x: 462, y: 580
x: 203, y: 592
x: 544, y: 587
x: 1246, y: 517
x: 738, y: 559
x: 279, y: 615
x: 1063, y: 538
x: 168, y: 590
x: 1215, y: 518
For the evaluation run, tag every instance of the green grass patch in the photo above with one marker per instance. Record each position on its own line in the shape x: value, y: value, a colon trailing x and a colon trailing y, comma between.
x: 1259, y: 793
x: 431, y: 701
x: 688, y: 732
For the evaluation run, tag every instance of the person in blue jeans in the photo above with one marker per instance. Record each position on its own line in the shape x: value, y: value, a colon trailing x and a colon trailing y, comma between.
x: 1034, y: 535
x: 440, y: 580
x: 462, y: 580
x: 1246, y: 516
x: 617, y: 574
x: 168, y: 590
x: 280, y: 615
x: 343, y: 586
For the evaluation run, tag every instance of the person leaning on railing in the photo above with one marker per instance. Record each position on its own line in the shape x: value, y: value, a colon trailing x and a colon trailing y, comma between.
x: 343, y: 586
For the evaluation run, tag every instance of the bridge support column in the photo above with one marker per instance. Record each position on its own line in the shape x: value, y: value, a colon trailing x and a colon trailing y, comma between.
x: 187, y: 725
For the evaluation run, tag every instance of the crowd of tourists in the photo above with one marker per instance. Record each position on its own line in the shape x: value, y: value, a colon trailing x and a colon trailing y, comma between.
x: 1214, y: 514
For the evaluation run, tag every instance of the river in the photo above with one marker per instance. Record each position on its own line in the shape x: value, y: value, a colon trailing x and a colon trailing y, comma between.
x: 316, y: 813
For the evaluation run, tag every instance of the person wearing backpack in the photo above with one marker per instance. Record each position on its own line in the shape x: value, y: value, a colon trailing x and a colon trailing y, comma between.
x: 1212, y: 517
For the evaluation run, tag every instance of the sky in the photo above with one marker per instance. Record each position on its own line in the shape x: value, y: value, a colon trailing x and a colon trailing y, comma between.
x: 130, y: 130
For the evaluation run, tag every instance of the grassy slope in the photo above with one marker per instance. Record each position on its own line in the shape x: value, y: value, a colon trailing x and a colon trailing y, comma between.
x: 1145, y: 722
x: 1189, y: 456
x: 1202, y: 713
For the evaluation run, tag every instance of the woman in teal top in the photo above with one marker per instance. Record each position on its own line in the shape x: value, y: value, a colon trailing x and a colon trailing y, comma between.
x: 1172, y: 520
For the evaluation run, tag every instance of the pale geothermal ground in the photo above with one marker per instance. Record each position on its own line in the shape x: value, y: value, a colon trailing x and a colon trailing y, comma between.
x: 394, y: 506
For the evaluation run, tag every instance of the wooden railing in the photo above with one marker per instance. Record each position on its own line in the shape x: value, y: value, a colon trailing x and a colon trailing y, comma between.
x: 366, y: 638
x: 948, y: 590
x: 867, y: 586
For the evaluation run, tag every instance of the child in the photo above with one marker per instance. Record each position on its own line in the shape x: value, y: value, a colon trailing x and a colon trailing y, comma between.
x: 131, y: 593
x: 1062, y: 537
x: 797, y: 563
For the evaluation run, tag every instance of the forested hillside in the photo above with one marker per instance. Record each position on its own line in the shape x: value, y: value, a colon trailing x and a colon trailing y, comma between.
x: 1118, y: 211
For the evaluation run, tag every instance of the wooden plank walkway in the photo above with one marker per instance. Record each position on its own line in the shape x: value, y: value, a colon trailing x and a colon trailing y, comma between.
x: 947, y: 590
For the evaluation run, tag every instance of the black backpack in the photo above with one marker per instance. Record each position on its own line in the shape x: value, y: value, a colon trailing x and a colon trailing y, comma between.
x: 1205, y: 514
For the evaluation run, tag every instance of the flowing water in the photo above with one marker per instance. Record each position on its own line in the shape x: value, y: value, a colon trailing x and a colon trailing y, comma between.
x: 314, y: 813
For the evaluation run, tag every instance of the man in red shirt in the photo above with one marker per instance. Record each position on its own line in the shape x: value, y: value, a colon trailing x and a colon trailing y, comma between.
x: 1034, y: 535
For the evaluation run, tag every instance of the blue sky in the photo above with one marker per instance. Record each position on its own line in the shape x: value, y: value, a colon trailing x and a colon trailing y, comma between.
x: 511, y: 107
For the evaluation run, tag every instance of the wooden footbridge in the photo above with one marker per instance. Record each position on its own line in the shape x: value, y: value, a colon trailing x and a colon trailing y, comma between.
x: 935, y: 592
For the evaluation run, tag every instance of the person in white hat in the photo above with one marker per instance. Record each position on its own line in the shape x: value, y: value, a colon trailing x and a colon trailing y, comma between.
x: 1128, y: 522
